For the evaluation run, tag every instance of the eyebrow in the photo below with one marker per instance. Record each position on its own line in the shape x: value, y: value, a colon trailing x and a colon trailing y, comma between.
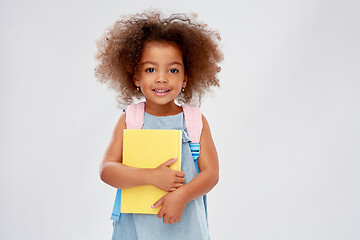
x: 156, y: 64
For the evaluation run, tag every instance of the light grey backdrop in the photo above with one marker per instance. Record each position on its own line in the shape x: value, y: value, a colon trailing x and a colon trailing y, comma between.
x: 285, y: 122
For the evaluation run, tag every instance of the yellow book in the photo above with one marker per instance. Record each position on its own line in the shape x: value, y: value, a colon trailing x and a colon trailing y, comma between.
x: 148, y: 148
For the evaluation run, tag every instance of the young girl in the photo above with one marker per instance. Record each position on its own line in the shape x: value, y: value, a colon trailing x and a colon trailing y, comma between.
x: 162, y: 60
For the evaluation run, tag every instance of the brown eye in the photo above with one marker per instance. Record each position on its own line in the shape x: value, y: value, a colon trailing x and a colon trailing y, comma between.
x: 150, y: 70
x: 173, y: 70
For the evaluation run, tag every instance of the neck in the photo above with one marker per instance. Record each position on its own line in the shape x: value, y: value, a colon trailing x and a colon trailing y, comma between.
x: 162, y: 110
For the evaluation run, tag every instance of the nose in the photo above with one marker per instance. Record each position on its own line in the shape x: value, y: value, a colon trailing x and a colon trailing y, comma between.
x: 161, y: 78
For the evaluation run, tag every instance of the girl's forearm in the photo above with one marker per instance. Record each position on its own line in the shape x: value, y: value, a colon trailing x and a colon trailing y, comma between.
x: 200, y: 185
x: 121, y: 176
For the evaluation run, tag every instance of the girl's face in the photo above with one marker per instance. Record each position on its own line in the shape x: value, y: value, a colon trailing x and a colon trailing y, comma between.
x: 161, y: 74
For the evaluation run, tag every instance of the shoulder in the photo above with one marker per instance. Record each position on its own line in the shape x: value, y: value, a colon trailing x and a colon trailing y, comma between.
x: 208, y: 155
x: 132, y: 114
x: 205, y: 123
x: 193, y: 122
x: 121, y: 122
x: 193, y: 114
x: 203, y: 118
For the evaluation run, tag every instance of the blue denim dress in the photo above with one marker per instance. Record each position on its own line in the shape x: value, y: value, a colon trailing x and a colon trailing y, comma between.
x: 193, y: 223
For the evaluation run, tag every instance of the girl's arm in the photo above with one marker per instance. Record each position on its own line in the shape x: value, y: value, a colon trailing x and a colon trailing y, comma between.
x: 118, y: 175
x: 208, y: 177
x: 174, y: 202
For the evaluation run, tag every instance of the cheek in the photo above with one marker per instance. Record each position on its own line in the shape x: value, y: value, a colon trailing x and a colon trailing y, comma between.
x: 179, y: 85
x: 144, y: 80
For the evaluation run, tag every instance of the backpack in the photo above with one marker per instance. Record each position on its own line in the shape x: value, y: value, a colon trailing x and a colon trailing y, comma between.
x: 193, y: 122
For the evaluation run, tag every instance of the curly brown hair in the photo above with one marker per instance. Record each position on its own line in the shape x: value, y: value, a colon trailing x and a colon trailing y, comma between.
x: 120, y: 49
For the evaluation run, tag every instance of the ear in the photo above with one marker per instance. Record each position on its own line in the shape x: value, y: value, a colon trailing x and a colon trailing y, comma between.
x: 185, y: 81
x: 136, y: 81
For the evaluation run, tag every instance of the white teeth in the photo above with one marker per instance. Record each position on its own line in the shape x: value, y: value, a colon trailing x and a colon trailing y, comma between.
x: 160, y: 91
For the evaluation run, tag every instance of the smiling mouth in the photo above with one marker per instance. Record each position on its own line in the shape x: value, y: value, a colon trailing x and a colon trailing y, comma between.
x: 161, y: 91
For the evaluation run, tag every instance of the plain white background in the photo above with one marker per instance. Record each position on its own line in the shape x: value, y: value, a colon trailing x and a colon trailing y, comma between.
x: 286, y: 121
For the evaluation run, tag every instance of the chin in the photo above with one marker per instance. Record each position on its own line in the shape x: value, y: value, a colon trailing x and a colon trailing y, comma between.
x: 161, y: 102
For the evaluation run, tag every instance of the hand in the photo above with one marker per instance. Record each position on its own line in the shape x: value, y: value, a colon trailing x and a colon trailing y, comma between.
x: 166, y: 178
x: 172, y: 207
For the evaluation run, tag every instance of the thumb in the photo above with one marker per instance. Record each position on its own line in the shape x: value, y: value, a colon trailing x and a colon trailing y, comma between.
x: 158, y: 203
x: 169, y: 162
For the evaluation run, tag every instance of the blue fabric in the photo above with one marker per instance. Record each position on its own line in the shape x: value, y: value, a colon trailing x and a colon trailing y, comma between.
x: 193, y: 223
x: 116, y: 209
x: 195, y: 151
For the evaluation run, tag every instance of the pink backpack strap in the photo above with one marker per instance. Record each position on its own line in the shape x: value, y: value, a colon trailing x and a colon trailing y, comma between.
x: 193, y: 122
x: 135, y: 116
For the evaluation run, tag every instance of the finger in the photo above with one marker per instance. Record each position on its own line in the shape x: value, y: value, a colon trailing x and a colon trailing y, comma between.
x: 171, y: 221
x: 177, y: 185
x: 158, y: 203
x: 160, y: 213
x: 180, y: 174
x: 179, y: 180
x: 166, y: 219
x: 177, y: 220
x: 169, y: 162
